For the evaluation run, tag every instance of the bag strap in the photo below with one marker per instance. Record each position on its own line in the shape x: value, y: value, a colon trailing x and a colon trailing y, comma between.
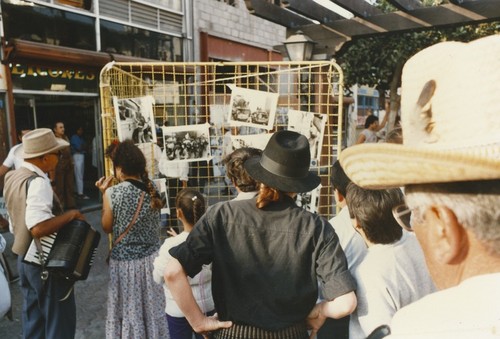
x: 45, y: 273
x: 132, y: 222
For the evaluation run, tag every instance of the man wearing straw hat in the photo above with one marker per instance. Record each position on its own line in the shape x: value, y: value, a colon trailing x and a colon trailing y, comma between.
x: 449, y: 163
x: 35, y: 212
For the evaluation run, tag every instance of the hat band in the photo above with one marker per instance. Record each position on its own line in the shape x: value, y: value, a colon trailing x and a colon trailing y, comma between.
x: 282, y: 170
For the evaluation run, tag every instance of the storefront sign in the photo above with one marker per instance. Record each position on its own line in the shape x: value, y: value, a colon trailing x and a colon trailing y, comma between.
x: 29, y: 77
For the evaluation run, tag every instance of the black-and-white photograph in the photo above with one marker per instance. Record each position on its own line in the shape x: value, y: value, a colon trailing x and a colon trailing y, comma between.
x: 251, y: 140
x: 166, y: 92
x: 252, y: 108
x: 218, y: 115
x: 311, y: 125
x: 135, y: 119
x: 161, y: 186
x: 309, y: 200
x: 186, y: 143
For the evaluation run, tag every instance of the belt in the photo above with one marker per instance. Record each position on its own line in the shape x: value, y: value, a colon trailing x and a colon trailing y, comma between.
x: 297, y: 331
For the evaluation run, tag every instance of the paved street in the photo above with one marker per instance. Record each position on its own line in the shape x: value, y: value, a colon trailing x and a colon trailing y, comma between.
x: 90, y: 295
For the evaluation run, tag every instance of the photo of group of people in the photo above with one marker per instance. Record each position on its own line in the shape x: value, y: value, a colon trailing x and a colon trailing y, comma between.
x: 186, y: 143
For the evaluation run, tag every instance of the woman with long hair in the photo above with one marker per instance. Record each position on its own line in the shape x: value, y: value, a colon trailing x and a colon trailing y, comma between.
x: 268, y: 255
x: 131, y: 213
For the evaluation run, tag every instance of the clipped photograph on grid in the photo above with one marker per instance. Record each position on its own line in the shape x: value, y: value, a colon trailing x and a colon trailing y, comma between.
x: 135, y: 119
x: 218, y: 115
x: 252, y: 108
x: 152, y: 154
x: 166, y: 92
x: 312, y: 126
x: 161, y: 186
x: 309, y: 200
x: 251, y: 140
x: 186, y: 143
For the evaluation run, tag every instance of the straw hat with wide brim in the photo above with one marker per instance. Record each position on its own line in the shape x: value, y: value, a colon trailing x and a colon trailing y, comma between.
x: 450, y: 115
x: 39, y: 142
x: 284, y: 164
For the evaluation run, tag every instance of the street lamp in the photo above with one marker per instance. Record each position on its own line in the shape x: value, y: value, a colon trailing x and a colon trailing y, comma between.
x: 299, y: 47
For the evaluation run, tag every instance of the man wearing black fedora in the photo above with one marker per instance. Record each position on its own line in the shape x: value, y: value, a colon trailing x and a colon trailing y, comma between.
x: 35, y: 213
x: 268, y: 255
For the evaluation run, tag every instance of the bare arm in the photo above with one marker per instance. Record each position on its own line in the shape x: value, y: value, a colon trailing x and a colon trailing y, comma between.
x: 54, y: 224
x: 336, y: 308
x: 3, y: 169
x: 177, y: 282
x: 107, y: 215
x: 384, y: 121
x: 361, y: 139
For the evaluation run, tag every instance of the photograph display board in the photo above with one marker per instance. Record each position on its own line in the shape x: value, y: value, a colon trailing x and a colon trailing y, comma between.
x: 200, y: 112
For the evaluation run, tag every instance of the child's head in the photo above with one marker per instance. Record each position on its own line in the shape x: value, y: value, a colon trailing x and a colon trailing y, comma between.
x: 191, y: 203
x: 372, y: 210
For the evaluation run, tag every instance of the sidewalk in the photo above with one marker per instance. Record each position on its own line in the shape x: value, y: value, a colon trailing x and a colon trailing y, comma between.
x: 90, y: 294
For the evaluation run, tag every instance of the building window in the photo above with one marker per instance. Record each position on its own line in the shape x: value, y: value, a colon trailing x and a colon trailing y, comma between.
x: 48, y: 25
x: 83, y: 4
x: 133, y: 41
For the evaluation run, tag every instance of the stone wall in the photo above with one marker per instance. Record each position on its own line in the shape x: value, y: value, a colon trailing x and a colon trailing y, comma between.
x: 235, y: 23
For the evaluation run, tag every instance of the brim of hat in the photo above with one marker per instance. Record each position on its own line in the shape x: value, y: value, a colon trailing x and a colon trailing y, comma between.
x: 391, y: 165
x: 284, y: 184
x: 60, y: 145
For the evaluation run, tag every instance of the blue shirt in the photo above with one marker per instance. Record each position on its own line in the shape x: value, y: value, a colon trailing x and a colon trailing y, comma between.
x: 77, y: 144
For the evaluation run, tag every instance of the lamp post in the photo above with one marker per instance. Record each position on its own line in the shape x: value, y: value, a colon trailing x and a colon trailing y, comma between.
x: 299, y: 47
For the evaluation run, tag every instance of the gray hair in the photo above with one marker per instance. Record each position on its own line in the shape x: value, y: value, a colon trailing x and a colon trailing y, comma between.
x: 476, y: 204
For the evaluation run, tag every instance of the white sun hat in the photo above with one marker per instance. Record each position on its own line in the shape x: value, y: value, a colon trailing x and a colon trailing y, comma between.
x: 450, y: 104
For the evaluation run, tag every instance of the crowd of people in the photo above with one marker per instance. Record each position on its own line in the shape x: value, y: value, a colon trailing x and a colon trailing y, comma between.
x: 413, y: 252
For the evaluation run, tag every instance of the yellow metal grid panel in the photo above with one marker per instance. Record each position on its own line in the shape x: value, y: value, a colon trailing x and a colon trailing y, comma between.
x: 192, y: 93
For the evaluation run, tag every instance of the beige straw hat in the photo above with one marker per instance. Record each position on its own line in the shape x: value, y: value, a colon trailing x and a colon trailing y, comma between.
x: 41, y: 141
x: 450, y: 104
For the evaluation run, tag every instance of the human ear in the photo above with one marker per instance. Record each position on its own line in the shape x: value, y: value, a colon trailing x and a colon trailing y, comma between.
x: 338, y: 196
x: 450, y: 245
x: 179, y: 213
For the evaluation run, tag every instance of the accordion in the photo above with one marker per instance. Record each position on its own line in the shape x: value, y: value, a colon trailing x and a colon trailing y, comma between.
x: 68, y: 253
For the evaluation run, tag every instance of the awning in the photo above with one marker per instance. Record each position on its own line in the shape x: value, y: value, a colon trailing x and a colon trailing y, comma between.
x: 22, y: 51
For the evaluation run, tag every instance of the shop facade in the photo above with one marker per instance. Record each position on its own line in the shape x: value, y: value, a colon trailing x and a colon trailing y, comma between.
x: 51, y: 66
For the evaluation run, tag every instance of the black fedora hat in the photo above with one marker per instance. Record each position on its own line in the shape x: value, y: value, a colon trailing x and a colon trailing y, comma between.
x: 284, y: 164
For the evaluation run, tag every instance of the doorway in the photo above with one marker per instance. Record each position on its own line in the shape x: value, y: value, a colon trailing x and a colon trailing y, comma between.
x: 38, y: 111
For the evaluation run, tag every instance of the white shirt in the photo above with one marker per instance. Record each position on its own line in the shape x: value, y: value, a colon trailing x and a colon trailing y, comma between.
x: 389, y: 277
x: 246, y: 195
x: 351, y: 241
x: 39, y: 199
x: 201, y: 284
x: 370, y: 136
x: 469, y: 310
x: 13, y: 160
